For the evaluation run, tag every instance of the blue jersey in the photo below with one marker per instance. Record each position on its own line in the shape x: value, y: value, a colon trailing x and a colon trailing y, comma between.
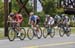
x: 33, y: 18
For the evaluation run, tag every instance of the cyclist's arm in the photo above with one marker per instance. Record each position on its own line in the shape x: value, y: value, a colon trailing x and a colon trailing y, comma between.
x: 35, y: 21
x: 45, y: 21
x: 9, y: 19
x: 36, y: 18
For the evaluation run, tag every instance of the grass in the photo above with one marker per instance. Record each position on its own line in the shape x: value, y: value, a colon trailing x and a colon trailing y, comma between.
x: 73, y: 31
x: 1, y: 35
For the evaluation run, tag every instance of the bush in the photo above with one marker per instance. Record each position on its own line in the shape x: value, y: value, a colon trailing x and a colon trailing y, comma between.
x: 72, y: 24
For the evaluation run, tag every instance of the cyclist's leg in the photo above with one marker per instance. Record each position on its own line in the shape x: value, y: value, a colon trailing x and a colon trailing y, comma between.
x: 68, y: 26
x: 17, y: 27
x: 64, y: 27
x: 37, y: 25
x: 51, y: 27
x: 33, y: 25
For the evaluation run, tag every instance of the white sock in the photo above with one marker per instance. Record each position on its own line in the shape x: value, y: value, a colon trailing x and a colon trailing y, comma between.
x: 19, y: 34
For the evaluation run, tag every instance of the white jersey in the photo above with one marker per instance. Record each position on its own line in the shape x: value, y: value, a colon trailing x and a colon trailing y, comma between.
x: 66, y: 20
x: 36, y: 17
x: 51, y: 21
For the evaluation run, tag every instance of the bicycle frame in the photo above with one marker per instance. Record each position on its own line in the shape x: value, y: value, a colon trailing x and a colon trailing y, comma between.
x: 12, y: 25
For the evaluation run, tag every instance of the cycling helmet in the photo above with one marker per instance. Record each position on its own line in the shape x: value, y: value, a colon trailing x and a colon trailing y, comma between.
x: 63, y: 15
x: 11, y: 14
x: 47, y: 15
x: 31, y: 13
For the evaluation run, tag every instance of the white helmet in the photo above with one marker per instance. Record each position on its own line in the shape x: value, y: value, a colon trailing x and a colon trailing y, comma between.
x: 11, y: 14
x: 63, y: 15
x: 47, y: 15
x: 31, y: 13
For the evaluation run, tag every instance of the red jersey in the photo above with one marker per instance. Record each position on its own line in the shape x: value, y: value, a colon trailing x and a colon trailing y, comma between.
x: 19, y: 18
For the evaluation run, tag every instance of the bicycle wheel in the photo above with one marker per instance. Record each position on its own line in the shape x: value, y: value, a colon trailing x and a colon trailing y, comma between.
x: 68, y: 33
x: 23, y: 34
x: 52, y: 33
x: 11, y: 34
x: 30, y: 33
x: 39, y: 33
x: 45, y: 33
x: 61, y: 32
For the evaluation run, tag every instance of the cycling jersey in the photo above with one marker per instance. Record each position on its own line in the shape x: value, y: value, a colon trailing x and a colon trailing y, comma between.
x: 66, y: 19
x: 19, y: 18
x: 50, y: 20
x: 33, y: 18
x: 57, y: 19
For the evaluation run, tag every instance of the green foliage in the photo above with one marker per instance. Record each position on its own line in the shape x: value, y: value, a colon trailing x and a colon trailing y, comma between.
x: 59, y: 10
x: 49, y: 7
x: 72, y: 24
x: 1, y: 14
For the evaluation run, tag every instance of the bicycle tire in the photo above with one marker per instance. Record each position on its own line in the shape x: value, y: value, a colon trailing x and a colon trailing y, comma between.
x: 45, y: 33
x: 23, y: 34
x: 39, y: 34
x: 30, y: 37
x: 52, y: 33
x: 61, y: 32
x: 11, y: 31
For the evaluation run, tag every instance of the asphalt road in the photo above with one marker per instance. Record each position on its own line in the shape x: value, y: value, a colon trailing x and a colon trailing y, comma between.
x: 56, y: 42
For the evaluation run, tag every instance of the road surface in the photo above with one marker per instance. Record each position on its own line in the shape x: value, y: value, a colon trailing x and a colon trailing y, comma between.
x: 56, y: 42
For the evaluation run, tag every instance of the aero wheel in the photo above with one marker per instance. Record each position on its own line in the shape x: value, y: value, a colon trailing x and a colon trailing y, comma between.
x: 61, y: 32
x: 30, y: 33
x: 23, y: 34
x: 45, y: 33
x: 39, y: 33
x: 11, y: 34
x: 52, y: 33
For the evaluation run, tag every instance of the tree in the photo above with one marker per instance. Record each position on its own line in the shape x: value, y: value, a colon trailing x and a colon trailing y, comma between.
x: 49, y: 6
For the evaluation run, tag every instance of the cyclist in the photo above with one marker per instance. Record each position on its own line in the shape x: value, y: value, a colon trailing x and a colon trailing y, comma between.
x: 34, y: 20
x: 61, y: 21
x: 65, y: 22
x: 49, y: 22
x: 11, y: 17
x: 57, y: 19
x: 16, y: 20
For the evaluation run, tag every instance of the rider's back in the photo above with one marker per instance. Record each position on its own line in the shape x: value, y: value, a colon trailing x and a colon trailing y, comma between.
x: 19, y: 18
